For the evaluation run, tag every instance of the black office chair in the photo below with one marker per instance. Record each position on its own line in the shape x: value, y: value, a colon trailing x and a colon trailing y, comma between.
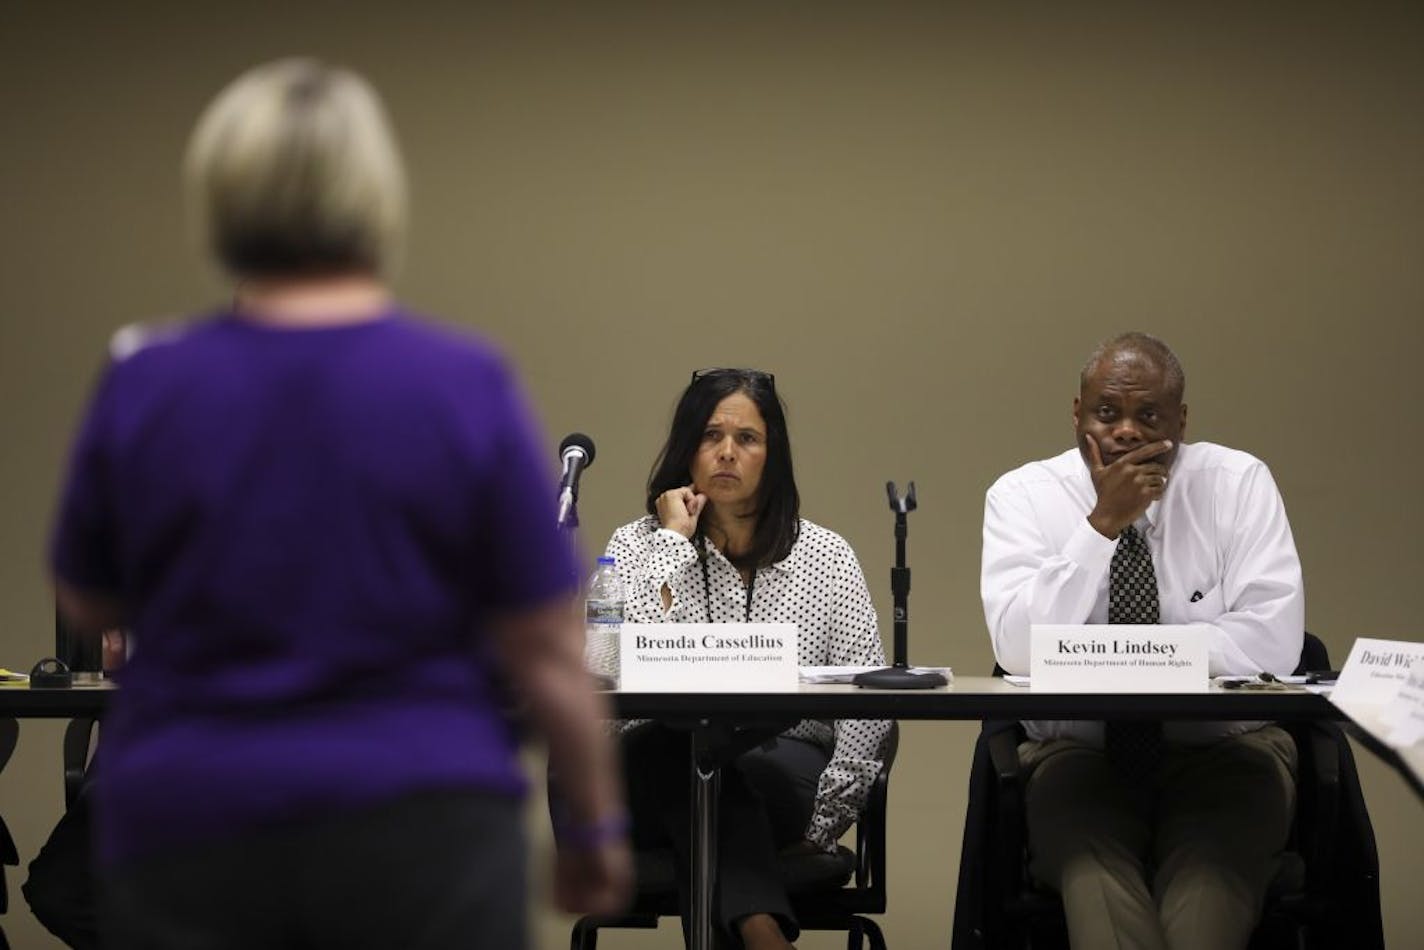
x: 1326, y: 890
x: 9, y: 854
x: 828, y: 892
x: 78, y: 739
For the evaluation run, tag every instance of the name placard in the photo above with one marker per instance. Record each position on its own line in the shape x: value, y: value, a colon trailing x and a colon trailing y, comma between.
x: 1118, y: 658
x: 1375, y: 670
x: 1405, y: 713
x: 708, y: 658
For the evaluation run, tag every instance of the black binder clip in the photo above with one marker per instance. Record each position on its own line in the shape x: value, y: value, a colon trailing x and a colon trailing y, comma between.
x: 51, y: 673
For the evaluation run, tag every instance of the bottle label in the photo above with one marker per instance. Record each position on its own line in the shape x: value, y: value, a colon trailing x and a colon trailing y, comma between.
x: 602, y: 612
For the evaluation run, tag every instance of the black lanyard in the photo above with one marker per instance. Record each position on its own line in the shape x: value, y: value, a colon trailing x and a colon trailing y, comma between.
x: 707, y: 586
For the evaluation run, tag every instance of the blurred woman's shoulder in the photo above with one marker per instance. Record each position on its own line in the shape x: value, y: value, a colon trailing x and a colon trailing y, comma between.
x: 458, y: 341
x: 132, y: 339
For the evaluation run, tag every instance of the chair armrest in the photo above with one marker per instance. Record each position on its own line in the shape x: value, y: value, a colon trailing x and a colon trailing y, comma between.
x: 870, y: 834
x: 1004, y: 753
x: 9, y: 735
x: 1007, y: 819
x: 77, y: 737
x: 1320, y: 795
x: 871, y: 830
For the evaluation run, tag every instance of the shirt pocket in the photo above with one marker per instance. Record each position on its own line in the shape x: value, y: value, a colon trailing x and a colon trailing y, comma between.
x: 1206, y: 608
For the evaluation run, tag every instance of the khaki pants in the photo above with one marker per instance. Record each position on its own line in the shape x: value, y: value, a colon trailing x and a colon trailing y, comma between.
x: 1182, y: 864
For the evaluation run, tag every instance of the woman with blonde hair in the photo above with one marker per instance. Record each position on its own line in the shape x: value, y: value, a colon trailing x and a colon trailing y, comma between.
x: 311, y: 509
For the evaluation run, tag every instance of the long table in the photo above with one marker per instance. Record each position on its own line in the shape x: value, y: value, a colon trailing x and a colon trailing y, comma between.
x: 21, y: 702
x: 709, y: 716
x: 968, y: 697
x: 974, y: 697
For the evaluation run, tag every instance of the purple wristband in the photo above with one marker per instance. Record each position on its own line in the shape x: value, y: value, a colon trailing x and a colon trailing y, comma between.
x: 577, y: 836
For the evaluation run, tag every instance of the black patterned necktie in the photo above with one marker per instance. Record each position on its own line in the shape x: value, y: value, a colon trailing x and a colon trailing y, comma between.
x: 1133, y: 746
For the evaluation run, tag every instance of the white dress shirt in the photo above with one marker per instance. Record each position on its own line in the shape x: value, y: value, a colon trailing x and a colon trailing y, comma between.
x: 820, y: 588
x: 1221, y: 549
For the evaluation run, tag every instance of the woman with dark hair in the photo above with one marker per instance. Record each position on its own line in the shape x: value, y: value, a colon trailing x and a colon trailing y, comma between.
x: 723, y: 541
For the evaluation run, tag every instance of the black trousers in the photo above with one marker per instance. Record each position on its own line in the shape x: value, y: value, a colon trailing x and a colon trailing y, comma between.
x: 765, y: 804
x: 431, y: 870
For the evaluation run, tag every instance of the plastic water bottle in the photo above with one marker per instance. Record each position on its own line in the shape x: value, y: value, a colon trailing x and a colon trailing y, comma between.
x: 603, y: 620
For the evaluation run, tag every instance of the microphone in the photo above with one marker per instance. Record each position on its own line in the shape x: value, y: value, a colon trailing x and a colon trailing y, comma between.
x: 576, y: 454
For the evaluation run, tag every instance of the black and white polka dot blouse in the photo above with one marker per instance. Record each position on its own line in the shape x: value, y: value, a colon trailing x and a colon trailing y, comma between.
x: 820, y: 588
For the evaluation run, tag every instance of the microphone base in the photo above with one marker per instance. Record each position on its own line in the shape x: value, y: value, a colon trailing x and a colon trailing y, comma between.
x: 897, y: 677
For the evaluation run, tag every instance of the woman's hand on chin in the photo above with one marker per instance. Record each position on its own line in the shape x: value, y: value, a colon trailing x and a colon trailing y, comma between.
x: 679, y: 508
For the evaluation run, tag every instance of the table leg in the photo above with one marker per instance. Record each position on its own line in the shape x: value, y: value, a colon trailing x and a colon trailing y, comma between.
x: 706, y: 780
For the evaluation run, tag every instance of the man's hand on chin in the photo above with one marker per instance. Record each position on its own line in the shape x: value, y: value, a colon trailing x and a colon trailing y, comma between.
x: 1126, y: 486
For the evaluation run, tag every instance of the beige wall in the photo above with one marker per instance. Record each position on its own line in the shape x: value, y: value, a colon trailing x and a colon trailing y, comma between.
x: 921, y: 218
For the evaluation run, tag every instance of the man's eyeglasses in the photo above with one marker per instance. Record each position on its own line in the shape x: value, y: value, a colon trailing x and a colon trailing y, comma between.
x: 715, y: 371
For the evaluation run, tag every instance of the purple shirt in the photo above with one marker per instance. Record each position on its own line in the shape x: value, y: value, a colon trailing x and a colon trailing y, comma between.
x: 309, y: 528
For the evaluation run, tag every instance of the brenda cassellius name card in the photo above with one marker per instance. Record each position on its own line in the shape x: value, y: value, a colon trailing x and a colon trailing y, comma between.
x: 1118, y: 658
x: 708, y: 658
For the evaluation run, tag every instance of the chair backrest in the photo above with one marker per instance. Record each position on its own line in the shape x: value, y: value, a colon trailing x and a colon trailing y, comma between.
x: 1313, y: 655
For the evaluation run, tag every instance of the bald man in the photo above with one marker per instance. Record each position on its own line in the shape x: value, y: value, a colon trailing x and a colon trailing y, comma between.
x: 1165, y: 840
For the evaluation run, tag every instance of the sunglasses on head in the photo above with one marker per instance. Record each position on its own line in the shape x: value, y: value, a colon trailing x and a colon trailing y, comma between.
x: 716, y: 371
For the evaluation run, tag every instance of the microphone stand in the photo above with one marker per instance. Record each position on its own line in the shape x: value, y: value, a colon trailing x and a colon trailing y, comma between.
x: 566, y: 524
x: 568, y: 511
x: 900, y: 676
x: 576, y: 452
